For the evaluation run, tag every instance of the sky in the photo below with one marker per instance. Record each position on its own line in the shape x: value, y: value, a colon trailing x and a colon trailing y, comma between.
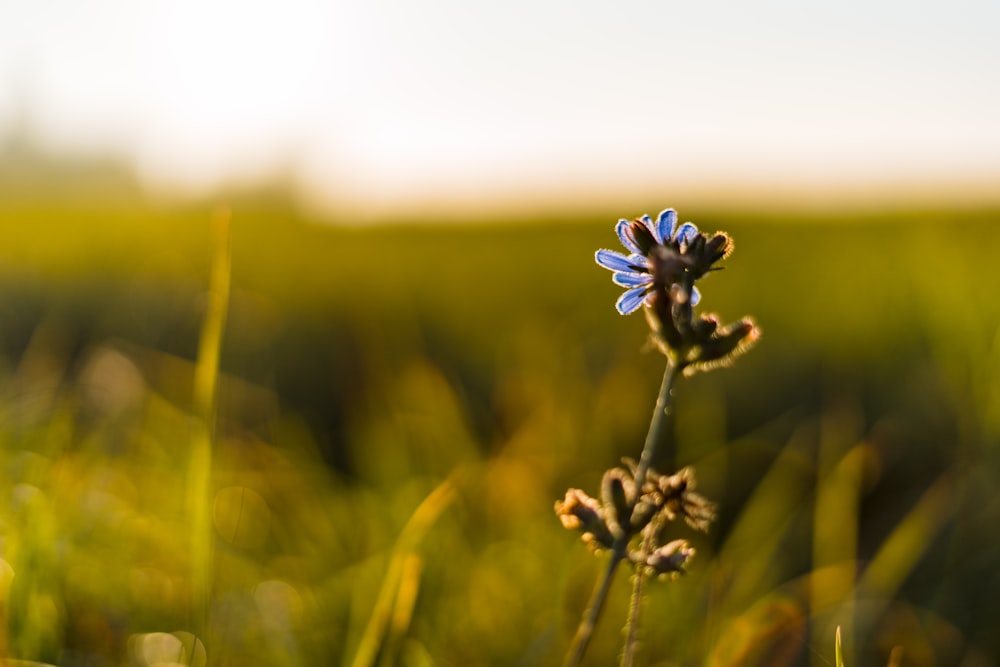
x: 394, y: 104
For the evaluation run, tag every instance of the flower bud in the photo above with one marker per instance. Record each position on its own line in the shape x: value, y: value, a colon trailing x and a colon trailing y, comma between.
x: 727, y: 344
x: 705, y: 326
x: 578, y: 511
x: 671, y: 558
x: 616, y: 497
x: 707, y: 252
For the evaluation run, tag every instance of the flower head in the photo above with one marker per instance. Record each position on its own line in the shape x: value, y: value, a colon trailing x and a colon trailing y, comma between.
x: 655, y: 250
x: 660, y: 271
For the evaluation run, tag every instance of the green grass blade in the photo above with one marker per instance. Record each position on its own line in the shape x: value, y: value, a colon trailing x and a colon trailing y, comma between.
x: 394, y: 603
x: 206, y: 376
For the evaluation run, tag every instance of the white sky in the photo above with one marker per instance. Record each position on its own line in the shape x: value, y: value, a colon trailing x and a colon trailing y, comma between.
x: 391, y: 102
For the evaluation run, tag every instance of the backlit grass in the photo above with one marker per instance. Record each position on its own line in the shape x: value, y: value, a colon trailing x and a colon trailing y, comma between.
x: 853, y: 455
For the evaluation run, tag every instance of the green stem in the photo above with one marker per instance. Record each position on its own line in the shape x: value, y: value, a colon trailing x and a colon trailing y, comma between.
x: 656, y: 435
x: 589, y: 621
x: 632, y: 625
x: 657, y: 427
x: 635, y: 606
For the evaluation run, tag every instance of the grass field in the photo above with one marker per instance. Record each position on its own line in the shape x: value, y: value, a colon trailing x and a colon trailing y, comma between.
x: 398, y: 407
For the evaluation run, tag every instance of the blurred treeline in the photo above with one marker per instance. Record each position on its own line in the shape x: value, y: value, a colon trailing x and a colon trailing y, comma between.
x: 400, y: 405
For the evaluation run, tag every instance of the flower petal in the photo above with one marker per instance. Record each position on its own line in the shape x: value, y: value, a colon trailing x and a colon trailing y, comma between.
x: 686, y: 232
x: 632, y: 279
x: 646, y: 220
x: 613, y: 261
x: 695, y: 296
x: 630, y: 301
x: 665, y: 225
x: 624, y: 230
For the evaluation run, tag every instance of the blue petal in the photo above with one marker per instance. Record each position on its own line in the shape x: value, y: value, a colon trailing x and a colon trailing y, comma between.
x: 686, y: 232
x: 646, y: 220
x: 665, y: 225
x: 632, y: 279
x: 630, y: 301
x: 612, y: 261
x: 695, y: 296
x: 625, y: 235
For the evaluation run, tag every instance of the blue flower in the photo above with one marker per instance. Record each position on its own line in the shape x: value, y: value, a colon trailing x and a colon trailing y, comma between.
x: 635, y: 270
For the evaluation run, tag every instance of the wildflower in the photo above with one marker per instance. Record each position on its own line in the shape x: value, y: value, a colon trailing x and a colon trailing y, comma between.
x: 651, y: 246
x: 638, y: 505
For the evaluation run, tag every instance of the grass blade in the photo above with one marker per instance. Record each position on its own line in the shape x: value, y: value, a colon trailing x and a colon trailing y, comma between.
x: 206, y: 377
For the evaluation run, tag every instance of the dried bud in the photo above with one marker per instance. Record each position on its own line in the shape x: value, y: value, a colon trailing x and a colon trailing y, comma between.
x: 705, y: 326
x: 671, y: 558
x: 672, y: 486
x: 725, y: 345
x: 617, y: 490
x: 680, y: 500
x: 578, y: 511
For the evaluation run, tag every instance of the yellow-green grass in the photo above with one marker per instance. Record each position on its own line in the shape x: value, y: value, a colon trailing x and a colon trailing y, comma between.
x: 853, y: 453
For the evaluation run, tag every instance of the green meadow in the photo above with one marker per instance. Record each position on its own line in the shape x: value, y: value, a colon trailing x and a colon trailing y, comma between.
x: 366, y: 473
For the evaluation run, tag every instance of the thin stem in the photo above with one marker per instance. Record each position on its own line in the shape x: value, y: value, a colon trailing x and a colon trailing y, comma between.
x: 657, y: 427
x: 632, y: 625
x: 635, y: 606
x: 657, y: 431
x: 589, y: 621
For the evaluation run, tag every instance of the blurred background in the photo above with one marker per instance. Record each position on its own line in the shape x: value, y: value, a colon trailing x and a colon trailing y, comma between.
x: 419, y: 355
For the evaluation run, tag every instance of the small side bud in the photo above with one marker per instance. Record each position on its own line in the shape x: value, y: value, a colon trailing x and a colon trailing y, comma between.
x: 711, y: 251
x: 616, y: 492
x: 725, y: 345
x: 696, y: 246
x: 730, y: 339
x: 720, y: 247
x: 680, y: 500
x: 705, y: 326
x: 578, y: 511
x: 671, y: 558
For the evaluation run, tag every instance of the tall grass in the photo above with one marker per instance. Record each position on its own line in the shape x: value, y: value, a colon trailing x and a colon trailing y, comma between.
x: 206, y: 380
x: 854, y: 454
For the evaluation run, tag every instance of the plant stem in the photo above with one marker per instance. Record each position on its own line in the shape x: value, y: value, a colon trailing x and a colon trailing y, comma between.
x: 657, y: 427
x: 589, y: 621
x: 635, y: 607
x: 656, y: 435
x: 632, y: 625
